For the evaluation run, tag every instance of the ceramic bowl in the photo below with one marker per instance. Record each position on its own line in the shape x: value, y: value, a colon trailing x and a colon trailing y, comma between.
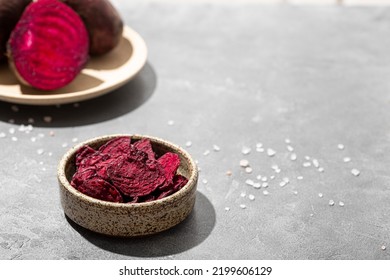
x: 123, y: 219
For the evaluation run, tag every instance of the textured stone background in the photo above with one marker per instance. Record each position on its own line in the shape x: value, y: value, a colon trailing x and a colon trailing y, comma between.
x: 231, y: 75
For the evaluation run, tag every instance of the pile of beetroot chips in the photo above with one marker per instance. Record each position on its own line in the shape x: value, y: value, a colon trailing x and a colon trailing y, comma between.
x: 122, y: 171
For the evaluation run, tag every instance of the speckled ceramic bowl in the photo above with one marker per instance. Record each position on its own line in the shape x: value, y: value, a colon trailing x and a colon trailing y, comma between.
x: 121, y: 219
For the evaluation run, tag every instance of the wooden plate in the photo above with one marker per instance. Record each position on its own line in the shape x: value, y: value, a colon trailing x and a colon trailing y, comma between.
x: 101, y: 75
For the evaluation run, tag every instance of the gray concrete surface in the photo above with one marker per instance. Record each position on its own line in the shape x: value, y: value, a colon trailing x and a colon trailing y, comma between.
x: 233, y: 76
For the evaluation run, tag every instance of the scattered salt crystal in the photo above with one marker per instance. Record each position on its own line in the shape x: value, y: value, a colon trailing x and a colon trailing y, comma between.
x: 64, y: 145
x: 295, y: 192
x: 227, y: 208
x: 331, y: 202
x: 311, y: 214
x: 259, y: 145
x: 260, y: 149
x: 321, y: 169
x: 340, y: 147
x: 41, y: 162
x: 251, y: 197
x: 248, y: 169
x: 355, y: 172
x: 188, y: 144
x: 287, y: 141
x: 306, y: 164
x: 204, y: 181
x: 11, y: 121
x: 272, y: 177
x: 258, y: 177
x: 51, y: 133
x: 293, y: 156
x: 47, y: 119
x: 265, y: 192
x: 228, y: 173
x: 320, y: 195
x: 299, y: 177
x: 383, y: 247
x: 347, y: 159
x: 171, y: 122
x: 41, y: 135
x: 245, y: 150
x: 216, y: 148
x: 199, y: 169
x: 244, y: 163
x: 264, y: 179
x: 243, y: 194
x: 271, y: 152
x: 40, y: 151
x: 242, y: 206
x: 341, y: 203
x: 206, y: 152
x: 33, y: 139
x: 277, y: 170
x: 289, y: 148
x: 307, y: 157
x: 11, y: 130
x: 316, y: 163
x: 287, y: 180
x: 282, y: 184
x: 249, y: 182
x: 75, y: 139
x: 49, y: 154
x: 15, y: 108
x: 30, y: 120
x: 264, y: 185
x: 257, y: 185
x: 14, y: 138
x: 2, y: 135
x: 43, y: 168
x: 275, y: 167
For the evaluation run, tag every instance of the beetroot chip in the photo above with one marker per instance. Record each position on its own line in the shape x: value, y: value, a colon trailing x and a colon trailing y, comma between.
x: 82, y: 175
x: 170, y: 163
x: 145, y: 146
x: 100, y: 189
x: 179, y: 181
x: 134, y: 177
x: 117, y: 146
x: 83, y: 153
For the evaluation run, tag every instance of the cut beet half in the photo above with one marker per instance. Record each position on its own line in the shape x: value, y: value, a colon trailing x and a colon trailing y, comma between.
x: 49, y: 45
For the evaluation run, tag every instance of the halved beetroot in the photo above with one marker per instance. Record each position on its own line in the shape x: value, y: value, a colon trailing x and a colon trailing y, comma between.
x: 49, y: 45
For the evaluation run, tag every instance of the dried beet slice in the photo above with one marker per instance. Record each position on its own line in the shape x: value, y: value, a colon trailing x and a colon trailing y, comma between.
x: 48, y: 46
x: 170, y: 163
x: 179, y: 181
x: 117, y: 146
x: 100, y: 189
x: 136, y: 178
x: 145, y: 146
x: 82, y: 175
x: 83, y: 153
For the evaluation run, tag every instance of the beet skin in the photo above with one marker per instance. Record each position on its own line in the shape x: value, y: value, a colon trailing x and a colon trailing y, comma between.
x: 49, y: 45
x: 103, y: 22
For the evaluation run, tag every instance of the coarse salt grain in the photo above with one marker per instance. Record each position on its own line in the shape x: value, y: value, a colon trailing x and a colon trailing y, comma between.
x: 40, y: 151
x: 227, y: 208
x: 242, y: 206
x: 321, y: 169
x: 248, y: 169
x: 341, y: 204
x: 316, y: 163
x: 287, y: 141
x: 307, y: 157
x: 251, y: 197
x: 258, y: 177
x: 320, y: 195
x: 64, y: 145
x: 257, y: 185
x: 75, y: 139
x: 347, y: 159
x: 272, y: 177
x: 216, y: 148
x: 244, y: 163
x: 11, y: 130
x: 271, y: 152
x: 30, y: 120
x: 290, y: 148
x: 207, y: 152
x: 264, y: 179
x: 293, y: 156
x: 264, y: 185
x: 11, y: 121
x: 295, y: 192
x: 171, y: 122
x: 383, y: 247
x: 260, y: 149
x: 355, y: 172
x: 13, y: 138
x: 204, y: 181
x: 2, y: 135
x: 47, y: 119
x: 331, y: 202
x: 228, y: 173
x: 265, y: 192
x: 249, y: 182
x: 245, y: 150
x: 299, y: 177
x: 340, y: 146
x: 306, y: 164
x: 282, y: 184
x: 259, y: 145
x: 188, y: 144
x: 243, y: 194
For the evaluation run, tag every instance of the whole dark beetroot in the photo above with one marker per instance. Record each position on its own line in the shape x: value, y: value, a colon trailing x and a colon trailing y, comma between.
x: 103, y: 22
x: 10, y: 13
x: 49, y: 45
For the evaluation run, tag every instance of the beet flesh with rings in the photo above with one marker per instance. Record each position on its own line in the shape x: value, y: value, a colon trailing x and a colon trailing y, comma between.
x: 49, y: 45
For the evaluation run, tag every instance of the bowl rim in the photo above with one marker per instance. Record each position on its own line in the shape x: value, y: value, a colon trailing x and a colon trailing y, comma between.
x: 61, y: 176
